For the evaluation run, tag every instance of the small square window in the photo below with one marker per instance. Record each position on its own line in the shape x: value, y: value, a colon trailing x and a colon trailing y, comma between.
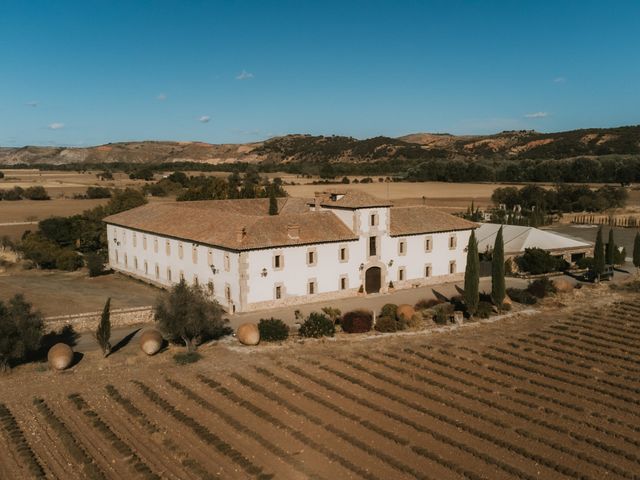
x: 452, y: 242
x: 311, y: 257
x: 278, y: 292
x: 277, y: 261
x: 452, y: 267
x: 135, y: 262
x: 144, y: 242
x: 427, y: 271
x: 194, y: 254
x: 157, y: 271
x: 373, y: 219
x: 428, y: 244
x: 401, y: 274
x: 180, y: 251
x: 155, y: 245
x: 168, y: 247
x: 227, y: 262
x: 343, y: 254
x: 402, y: 247
x: 312, y: 287
x: 168, y: 274
x: 343, y: 283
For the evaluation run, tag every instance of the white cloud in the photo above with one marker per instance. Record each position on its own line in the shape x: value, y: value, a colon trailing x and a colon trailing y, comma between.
x: 204, y: 118
x: 162, y: 97
x: 32, y: 103
x: 559, y: 80
x: 244, y: 75
x: 56, y: 126
x: 536, y: 115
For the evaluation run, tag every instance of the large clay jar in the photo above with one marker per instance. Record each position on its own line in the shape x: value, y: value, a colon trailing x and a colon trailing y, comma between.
x: 405, y: 312
x: 60, y: 356
x: 248, y: 334
x: 151, y: 341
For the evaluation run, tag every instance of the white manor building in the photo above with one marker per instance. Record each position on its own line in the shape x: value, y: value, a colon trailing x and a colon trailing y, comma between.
x: 337, y: 245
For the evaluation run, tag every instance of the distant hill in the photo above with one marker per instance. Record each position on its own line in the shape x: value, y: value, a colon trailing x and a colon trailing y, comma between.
x: 525, y: 144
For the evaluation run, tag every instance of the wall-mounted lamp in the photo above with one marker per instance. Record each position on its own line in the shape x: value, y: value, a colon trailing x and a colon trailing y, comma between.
x: 391, y: 262
x: 214, y: 270
x: 264, y: 272
x: 362, y: 266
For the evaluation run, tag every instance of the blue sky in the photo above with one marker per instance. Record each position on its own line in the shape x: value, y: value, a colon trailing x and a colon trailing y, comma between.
x: 96, y: 71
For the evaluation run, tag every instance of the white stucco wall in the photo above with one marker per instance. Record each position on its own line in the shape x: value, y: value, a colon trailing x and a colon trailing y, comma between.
x: 201, y: 268
x: 295, y: 274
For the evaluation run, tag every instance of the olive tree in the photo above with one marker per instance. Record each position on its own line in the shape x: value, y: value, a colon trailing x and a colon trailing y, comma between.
x: 186, y: 314
x: 20, y: 330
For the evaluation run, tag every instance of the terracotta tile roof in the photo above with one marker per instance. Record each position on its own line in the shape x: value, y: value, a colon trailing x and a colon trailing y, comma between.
x: 351, y: 199
x: 414, y: 220
x: 236, y: 224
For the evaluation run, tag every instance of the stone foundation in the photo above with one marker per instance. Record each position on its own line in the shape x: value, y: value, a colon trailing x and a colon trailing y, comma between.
x: 84, y: 322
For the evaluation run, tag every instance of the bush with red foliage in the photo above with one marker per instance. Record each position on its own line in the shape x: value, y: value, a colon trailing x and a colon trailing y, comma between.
x: 357, y: 321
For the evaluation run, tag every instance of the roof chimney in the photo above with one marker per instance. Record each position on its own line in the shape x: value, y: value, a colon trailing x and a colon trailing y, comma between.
x: 293, y: 231
x: 241, y: 234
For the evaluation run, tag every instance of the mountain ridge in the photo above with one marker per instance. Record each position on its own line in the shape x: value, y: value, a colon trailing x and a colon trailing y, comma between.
x: 294, y: 148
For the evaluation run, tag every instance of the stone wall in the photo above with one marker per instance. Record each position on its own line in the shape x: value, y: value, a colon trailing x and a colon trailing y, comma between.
x: 83, y: 322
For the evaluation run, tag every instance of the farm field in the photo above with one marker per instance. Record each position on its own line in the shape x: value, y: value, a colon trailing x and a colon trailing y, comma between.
x: 547, y: 396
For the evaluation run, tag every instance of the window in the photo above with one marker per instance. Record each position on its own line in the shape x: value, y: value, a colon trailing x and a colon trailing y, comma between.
x: 278, y: 261
x: 227, y: 262
x: 452, y: 241
x: 227, y: 292
x: 144, y: 242
x: 401, y: 274
x: 278, y: 292
x: 157, y: 271
x: 344, y: 254
x: 402, y: 247
x: 427, y: 270
x: 146, y: 268
x: 372, y: 246
x: 311, y: 257
x: 168, y: 247
x: 180, y: 251
x: 452, y: 266
x: 135, y: 262
x: 194, y: 254
x: 373, y: 219
x: 311, y: 287
x: 428, y: 244
x: 135, y: 240
x: 209, y: 257
x: 126, y: 261
x: 343, y: 282
x: 168, y: 274
x: 155, y: 245
x: 117, y: 257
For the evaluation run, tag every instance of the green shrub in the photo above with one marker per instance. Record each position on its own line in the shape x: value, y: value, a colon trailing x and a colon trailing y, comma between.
x: 585, y: 262
x: 68, y: 260
x: 357, y: 321
x: 95, y: 264
x: 386, y: 324
x: 542, y: 287
x: 317, y: 325
x: 522, y: 296
x: 485, y: 309
x: 443, y: 313
x: 389, y: 310
x: 36, y: 193
x: 537, y: 261
x: 184, y: 358
x: 333, y: 313
x: 273, y: 330
x: 98, y: 192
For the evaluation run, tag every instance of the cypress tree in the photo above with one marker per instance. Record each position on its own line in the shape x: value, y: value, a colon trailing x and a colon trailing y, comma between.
x: 472, y: 276
x: 598, y: 254
x: 611, y: 248
x: 103, y: 333
x: 497, y: 271
x: 273, y: 202
x: 636, y: 250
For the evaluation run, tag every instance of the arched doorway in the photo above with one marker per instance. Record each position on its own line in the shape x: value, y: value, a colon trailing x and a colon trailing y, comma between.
x: 373, y: 280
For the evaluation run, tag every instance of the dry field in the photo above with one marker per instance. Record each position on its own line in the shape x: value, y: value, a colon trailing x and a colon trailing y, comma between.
x: 548, y: 396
